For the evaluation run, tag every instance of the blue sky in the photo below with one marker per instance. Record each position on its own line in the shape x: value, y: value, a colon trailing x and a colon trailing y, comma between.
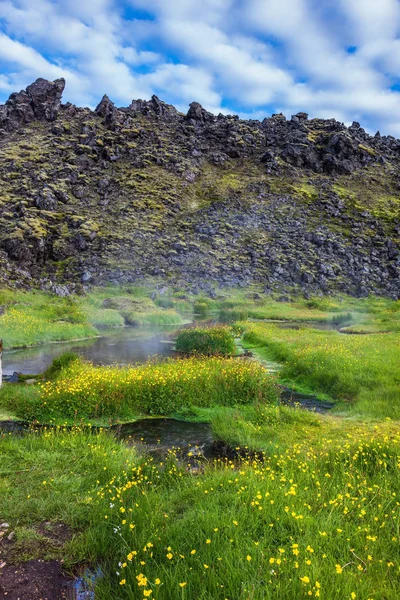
x: 330, y: 58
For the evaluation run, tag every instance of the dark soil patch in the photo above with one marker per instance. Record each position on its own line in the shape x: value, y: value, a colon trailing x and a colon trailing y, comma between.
x: 34, y: 580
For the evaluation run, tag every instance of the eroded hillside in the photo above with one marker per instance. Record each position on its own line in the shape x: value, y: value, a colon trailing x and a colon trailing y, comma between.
x: 121, y: 194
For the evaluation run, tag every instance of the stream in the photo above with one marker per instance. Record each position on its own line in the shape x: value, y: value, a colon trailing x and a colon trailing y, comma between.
x: 191, y: 442
x: 122, y: 346
x: 127, y: 346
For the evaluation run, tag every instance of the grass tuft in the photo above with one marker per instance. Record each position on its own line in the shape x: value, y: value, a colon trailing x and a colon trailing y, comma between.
x: 212, y: 341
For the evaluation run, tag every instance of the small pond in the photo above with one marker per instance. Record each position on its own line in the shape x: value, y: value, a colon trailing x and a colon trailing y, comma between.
x: 120, y: 346
x: 128, y: 346
x: 193, y: 441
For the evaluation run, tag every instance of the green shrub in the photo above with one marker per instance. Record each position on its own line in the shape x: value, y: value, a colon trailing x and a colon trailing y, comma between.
x: 214, y: 341
x: 201, y: 308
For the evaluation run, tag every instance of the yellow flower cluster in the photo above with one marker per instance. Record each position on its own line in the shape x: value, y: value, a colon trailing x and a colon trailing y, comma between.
x: 157, y: 387
x: 348, y: 527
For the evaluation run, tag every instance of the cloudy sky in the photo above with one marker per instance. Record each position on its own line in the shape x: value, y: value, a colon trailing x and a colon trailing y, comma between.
x: 330, y: 58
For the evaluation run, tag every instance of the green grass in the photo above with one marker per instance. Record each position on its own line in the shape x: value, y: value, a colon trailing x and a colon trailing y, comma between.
x: 320, y: 519
x: 229, y: 315
x: 360, y: 369
x: 85, y: 391
x: 104, y: 317
x: 55, y: 477
x: 60, y: 363
x: 255, y: 427
x: 312, y: 511
x: 158, y: 317
x: 211, y: 341
x: 318, y: 515
x: 201, y: 307
x: 37, y: 317
x: 379, y: 314
x: 6, y: 415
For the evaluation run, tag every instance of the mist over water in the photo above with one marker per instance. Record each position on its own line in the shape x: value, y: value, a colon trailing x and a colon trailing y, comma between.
x: 124, y: 347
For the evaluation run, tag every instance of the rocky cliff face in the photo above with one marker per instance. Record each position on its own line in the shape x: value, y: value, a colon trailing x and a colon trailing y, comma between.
x: 121, y: 194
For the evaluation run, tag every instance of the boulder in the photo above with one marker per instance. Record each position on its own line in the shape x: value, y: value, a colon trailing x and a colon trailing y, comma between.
x: 46, y: 98
x: 41, y: 100
x: 107, y: 110
x: 197, y: 113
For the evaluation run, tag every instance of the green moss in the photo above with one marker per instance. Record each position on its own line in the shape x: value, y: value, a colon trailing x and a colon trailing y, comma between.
x: 305, y: 190
x: 367, y: 149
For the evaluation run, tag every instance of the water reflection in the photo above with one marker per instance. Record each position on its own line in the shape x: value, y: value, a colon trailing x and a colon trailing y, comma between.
x: 157, y: 436
x: 124, y: 347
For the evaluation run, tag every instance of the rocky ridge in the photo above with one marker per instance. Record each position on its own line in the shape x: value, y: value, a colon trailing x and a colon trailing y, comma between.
x: 122, y: 194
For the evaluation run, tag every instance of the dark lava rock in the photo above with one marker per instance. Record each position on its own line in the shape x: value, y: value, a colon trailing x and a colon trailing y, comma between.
x: 41, y: 100
x: 197, y: 113
x: 46, y: 98
x: 117, y: 195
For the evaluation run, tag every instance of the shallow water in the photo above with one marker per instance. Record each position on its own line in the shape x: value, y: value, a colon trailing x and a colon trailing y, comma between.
x: 128, y: 346
x: 157, y: 436
x: 306, y: 401
x: 190, y: 441
x: 122, y: 346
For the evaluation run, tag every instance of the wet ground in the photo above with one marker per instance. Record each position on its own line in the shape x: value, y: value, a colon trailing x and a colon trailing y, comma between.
x: 306, y: 401
x: 158, y: 436
x: 35, y: 579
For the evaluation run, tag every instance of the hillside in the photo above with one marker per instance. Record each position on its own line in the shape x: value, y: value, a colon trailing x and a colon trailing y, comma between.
x: 123, y: 194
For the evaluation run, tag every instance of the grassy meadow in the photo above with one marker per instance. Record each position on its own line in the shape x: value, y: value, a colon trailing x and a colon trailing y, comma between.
x: 360, y: 371
x: 300, y: 520
x: 82, y: 391
x: 306, y: 505
x: 320, y: 522
x: 37, y: 317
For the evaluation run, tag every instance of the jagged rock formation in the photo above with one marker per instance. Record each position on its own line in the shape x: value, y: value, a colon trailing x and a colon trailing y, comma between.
x: 121, y: 194
x: 41, y: 100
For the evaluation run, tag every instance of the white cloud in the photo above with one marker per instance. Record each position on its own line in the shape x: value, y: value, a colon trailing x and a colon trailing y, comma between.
x: 83, y: 38
x: 184, y: 84
x: 27, y: 62
x: 247, y: 78
x: 258, y: 55
x: 6, y: 84
x: 209, y: 11
x: 135, y: 58
x: 372, y: 19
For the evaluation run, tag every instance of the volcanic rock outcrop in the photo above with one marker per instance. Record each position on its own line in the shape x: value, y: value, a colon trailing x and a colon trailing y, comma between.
x: 198, y: 200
